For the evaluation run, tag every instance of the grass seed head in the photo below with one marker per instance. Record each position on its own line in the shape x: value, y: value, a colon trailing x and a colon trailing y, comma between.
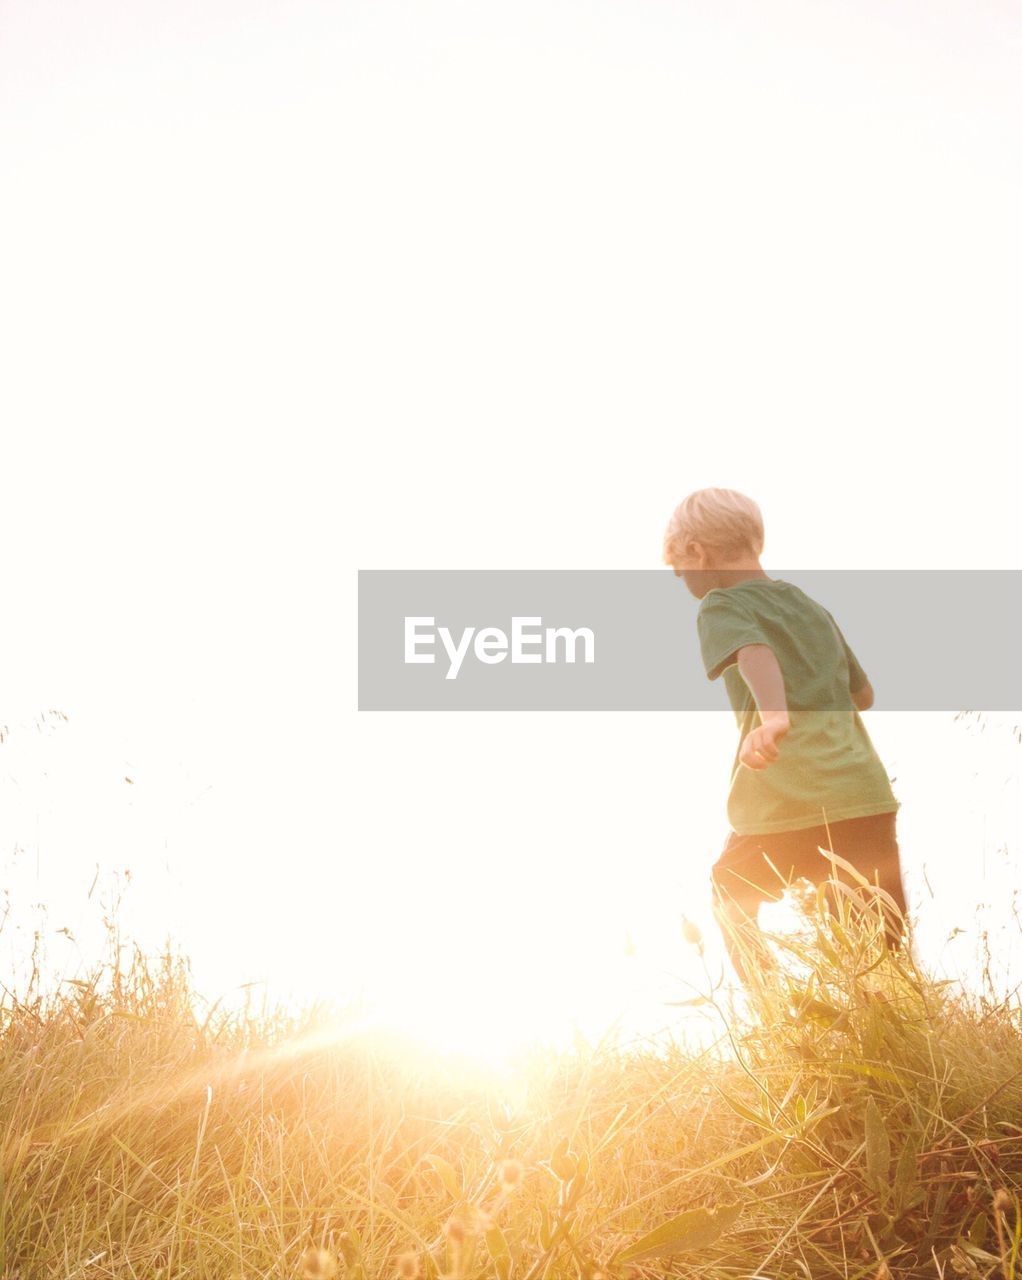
x: 511, y: 1173
x: 318, y: 1264
x: 408, y: 1266
x: 454, y: 1230
x: 692, y: 934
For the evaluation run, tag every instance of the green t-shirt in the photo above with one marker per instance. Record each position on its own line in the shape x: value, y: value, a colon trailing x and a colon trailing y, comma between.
x: 828, y: 768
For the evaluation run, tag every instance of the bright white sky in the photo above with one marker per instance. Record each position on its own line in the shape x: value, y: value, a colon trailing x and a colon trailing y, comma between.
x: 291, y: 289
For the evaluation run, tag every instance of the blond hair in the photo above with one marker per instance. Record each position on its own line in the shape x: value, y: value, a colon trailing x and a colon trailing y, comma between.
x: 721, y: 519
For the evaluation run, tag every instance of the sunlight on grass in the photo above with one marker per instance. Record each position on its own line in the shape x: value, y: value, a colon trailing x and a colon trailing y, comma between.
x: 850, y: 1118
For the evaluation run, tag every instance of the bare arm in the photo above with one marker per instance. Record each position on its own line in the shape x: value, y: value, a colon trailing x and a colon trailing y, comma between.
x: 759, y: 668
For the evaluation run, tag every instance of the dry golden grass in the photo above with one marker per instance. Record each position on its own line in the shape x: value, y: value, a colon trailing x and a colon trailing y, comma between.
x: 858, y: 1121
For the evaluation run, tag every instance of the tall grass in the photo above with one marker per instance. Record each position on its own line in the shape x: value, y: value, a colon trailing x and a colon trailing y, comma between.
x: 853, y: 1119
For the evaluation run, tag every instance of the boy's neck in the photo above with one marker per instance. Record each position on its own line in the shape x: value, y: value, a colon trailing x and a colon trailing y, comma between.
x: 731, y: 575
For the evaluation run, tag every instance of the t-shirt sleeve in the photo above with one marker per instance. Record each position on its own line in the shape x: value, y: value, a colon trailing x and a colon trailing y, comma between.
x: 857, y: 678
x: 725, y: 625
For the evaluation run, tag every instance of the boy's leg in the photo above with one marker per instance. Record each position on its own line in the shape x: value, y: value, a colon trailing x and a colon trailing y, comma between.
x: 739, y: 928
x: 743, y: 879
x: 870, y: 844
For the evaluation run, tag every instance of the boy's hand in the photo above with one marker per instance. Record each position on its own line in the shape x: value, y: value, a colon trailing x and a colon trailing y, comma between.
x: 762, y: 746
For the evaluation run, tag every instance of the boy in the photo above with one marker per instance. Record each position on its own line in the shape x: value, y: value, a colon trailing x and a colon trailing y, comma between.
x: 806, y: 773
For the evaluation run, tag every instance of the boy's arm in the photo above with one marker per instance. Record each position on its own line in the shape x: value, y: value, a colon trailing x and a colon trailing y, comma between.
x: 859, y: 687
x: 759, y: 668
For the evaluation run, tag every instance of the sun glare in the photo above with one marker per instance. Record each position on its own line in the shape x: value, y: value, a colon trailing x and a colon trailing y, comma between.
x: 483, y: 969
x: 478, y: 1002
x: 477, y: 1010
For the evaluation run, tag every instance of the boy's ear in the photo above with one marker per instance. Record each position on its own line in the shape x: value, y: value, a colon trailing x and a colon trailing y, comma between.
x: 696, y: 554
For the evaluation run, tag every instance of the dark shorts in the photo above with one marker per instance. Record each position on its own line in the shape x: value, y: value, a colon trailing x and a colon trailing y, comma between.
x: 744, y: 874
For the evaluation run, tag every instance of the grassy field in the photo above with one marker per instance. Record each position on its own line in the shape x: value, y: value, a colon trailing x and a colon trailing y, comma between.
x: 856, y: 1120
